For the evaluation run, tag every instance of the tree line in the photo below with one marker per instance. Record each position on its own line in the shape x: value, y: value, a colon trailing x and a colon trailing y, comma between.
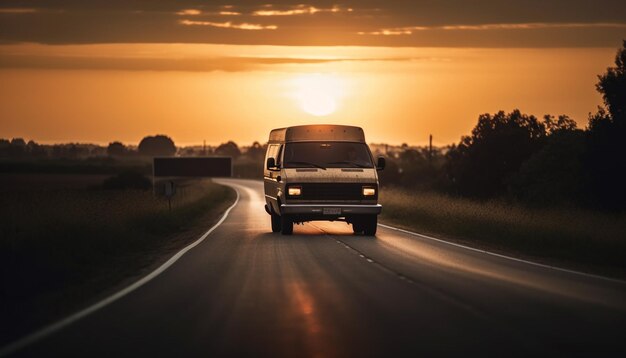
x: 546, y: 161
x: 516, y: 156
x: 149, y: 146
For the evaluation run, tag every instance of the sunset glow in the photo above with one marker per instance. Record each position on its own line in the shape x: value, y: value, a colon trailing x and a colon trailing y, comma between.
x: 197, y: 92
x: 318, y: 94
x: 210, y: 71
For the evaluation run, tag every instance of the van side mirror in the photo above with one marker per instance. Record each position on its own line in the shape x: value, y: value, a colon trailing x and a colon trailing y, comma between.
x: 380, y: 165
x: 271, y: 164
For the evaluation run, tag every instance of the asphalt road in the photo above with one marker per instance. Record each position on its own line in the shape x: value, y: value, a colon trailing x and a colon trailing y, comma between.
x: 326, y: 292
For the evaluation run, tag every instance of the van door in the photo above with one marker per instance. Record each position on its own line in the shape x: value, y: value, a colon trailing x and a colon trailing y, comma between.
x: 271, y: 184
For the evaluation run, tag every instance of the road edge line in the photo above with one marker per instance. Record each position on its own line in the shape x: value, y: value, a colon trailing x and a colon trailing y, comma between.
x: 615, y: 280
x: 62, y: 323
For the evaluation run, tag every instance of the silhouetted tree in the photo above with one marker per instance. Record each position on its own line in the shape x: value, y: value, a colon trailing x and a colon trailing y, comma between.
x: 555, y: 174
x: 562, y: 123
x: 229, y: 149
x: 612, y: 86
x: 158, y: 145
x: 35, y: 150
x: 17, y: 147
x: 116, y: 149
x: 5, y: 144
x: 606, y: 162
x: 391, y: 175
x: 481, y: 164
x: 413, y: 167
x: 256, y: 151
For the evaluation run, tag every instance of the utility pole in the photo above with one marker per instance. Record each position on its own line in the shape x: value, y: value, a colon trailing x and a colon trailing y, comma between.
x: 430, y: 148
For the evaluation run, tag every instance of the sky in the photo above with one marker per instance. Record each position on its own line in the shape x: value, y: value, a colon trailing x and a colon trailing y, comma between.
x: 99, y: 71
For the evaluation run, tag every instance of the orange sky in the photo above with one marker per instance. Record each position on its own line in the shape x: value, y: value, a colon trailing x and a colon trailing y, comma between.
x: 101, y: 70
x: 193, y: 92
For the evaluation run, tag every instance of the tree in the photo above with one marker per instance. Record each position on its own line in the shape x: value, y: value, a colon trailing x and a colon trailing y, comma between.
x: 35, y: 150
x: 562, y: 123
x: 5, y: 146
x: 391, y: 174
x: 116, y: 149
x: 612, y: 86
x: 158, y: 145
x: 229, y: 149
x: 17, y: 147
x: 482, y: 163
x: 554, y: 175
x: 256, y: 151
x: 606, y: 162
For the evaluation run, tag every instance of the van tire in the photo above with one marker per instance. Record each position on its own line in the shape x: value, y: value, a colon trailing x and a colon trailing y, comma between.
x: 275, y: 222
x: 357, y: 227
x: 286, y: 225
x: 370, y: 224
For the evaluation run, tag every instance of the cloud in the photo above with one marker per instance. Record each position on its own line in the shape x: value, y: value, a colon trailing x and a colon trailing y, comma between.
x: 189, y: 12
x: 187, y: 64
x: 445, y: 23
x: 486, y: 27
x: 196, y: 12
x: 18, y: 10
x: 267, y: 10
x: 298, y: 10
x: 395, y: 31
x: 229, y: 25
x: 533, y: 26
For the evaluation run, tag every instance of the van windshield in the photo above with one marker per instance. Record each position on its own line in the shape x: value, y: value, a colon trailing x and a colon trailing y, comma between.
x: 327, y: 155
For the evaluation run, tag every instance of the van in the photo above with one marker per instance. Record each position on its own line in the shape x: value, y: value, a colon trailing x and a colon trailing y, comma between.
x: 321, y: 172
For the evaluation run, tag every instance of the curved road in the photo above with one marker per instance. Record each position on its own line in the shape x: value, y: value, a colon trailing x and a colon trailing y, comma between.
x: 326, y: 292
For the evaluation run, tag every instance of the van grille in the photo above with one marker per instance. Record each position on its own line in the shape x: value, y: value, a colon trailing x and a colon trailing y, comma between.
x: 333, y: 191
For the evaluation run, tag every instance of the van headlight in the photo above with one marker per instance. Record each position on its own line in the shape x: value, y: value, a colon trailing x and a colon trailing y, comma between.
x: 369, y: 191
x: 294, y: 190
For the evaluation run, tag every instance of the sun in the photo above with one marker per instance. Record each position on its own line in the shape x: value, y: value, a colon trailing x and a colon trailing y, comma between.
x: 318, y: 94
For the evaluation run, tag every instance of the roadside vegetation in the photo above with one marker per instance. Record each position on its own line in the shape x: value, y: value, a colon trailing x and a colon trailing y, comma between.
x: 61, y: 247
x: 579, y: 238
x: 539, y: 185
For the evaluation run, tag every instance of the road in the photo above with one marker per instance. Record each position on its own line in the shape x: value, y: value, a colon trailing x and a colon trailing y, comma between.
x: 325, y: 292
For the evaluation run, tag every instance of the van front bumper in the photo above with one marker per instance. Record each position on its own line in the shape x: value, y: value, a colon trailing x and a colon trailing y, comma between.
x: 330, y: 209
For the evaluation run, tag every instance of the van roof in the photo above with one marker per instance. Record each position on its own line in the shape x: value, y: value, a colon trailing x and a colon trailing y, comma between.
x: 318, y: 132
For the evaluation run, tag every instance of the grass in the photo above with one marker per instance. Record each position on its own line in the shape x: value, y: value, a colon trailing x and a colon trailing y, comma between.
x: 92, y: 166
x: 574, y: 237
x: 59, y: 248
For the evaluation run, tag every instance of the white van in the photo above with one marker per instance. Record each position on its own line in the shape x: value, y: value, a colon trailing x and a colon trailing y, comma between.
x: 321, y: 172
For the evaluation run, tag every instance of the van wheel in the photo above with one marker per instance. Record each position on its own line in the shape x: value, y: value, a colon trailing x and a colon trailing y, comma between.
x: 357, y: 227
x: 275, y: 223
x: 370, y: 224
x: 286, y: 225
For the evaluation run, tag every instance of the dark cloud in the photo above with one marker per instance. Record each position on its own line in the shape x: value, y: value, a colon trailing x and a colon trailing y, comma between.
x: 196, y: 64
x: 440, y: 23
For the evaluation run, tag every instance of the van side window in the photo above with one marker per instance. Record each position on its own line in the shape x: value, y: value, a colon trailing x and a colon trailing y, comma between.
x: 273, y: 151
x: 279, y: 156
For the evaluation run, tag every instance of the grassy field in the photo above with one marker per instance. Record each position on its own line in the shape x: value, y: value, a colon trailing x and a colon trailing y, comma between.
x: 573, y: 237
x: 64, y: 242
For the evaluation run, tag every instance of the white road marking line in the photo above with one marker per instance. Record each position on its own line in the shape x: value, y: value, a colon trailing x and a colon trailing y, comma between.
x: 504, y: 256
x: 54, y: 327
x: 441, y: 294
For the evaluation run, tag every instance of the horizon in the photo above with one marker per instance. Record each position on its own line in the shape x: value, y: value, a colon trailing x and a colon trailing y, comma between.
x: 197, y: 71
x: 193, y: 144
